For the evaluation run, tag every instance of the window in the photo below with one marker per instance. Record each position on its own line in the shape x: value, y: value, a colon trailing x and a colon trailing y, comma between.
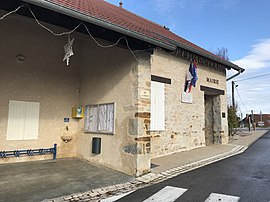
x: 100, y: 118
x: 23, y: 120
x: 157, y: 106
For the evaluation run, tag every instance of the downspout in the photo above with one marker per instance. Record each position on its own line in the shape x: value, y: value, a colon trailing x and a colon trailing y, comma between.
x: 233, y: 76
x: 99, y: 22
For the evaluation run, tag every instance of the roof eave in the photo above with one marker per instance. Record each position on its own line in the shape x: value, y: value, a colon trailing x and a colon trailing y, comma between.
x: 99, y: 22
x: 227, y: 63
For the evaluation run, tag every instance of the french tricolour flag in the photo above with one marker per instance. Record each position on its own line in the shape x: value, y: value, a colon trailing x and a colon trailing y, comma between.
x: 192, y: 77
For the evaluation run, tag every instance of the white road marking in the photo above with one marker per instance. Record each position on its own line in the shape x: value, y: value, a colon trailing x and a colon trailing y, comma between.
x: 115, y: 198
x: 170, y: 194
x: 167, y: 194
x: 221, y: 198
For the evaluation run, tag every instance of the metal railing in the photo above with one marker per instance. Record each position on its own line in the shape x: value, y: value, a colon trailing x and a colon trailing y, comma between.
x: 29, y: 152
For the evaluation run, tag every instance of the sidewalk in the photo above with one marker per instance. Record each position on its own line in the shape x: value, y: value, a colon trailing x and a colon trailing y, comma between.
x: 239, y: 142
x: 172, y: 165
x: 39, y: 180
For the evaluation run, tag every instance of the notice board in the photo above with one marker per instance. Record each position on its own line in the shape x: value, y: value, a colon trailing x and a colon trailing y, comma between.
x: 100, y: 118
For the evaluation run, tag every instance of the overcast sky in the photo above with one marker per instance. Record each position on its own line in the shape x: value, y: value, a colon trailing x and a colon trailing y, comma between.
x: 241, y: 26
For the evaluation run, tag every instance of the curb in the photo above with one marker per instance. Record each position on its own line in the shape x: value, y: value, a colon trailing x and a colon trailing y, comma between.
x: 99, y: 193
x: 156, y: 178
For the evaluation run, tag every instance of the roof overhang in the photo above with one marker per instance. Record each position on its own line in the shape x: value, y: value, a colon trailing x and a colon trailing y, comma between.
x: 99, y: 22
x: 171, y: 45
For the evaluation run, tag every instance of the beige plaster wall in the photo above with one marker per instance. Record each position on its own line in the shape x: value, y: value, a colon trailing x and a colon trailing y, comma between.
x: 184, y: 123
x: 109, y: 75
x: 95, y: 75
x: 42, y: 77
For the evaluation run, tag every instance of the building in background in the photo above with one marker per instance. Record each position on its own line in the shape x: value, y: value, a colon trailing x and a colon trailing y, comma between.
x: 261, y: 120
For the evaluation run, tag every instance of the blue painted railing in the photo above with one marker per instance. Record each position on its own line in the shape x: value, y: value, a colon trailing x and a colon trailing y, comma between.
x: 29, y: 152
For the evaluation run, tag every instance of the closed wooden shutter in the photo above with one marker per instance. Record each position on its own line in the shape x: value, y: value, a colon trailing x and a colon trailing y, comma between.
x: 157, y: 106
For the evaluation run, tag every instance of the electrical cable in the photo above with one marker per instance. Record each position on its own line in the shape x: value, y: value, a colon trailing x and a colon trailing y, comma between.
x: 262, y: 75
x: 73, y: 30
x: 241, y: 99
x: 11, y: 12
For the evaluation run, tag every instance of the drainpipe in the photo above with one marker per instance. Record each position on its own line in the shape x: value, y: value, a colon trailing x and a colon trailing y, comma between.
x: 233, y: 85
x: 99, y: 22
x: 233, y: 76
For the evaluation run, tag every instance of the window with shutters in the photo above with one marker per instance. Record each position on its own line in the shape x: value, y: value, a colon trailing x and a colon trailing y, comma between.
x: 157, y: 106
x: 23, y: 120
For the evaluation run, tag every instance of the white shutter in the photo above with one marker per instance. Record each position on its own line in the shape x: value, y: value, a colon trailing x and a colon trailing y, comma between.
x: 157, y: 106
x: 15, y: 128
x: 31, y: 120
x: 23, y: 120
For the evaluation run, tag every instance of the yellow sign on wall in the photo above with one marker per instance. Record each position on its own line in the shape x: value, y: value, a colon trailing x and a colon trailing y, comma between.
x: 77, y: 112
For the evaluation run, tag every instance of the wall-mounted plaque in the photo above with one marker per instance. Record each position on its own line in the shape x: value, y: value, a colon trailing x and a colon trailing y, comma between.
x: 186, y: 98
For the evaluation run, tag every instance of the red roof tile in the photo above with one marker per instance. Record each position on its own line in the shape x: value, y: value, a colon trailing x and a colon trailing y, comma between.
x: 120, y: 17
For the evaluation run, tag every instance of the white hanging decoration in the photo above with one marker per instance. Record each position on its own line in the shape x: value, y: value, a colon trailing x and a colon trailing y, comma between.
x: 68, y: 50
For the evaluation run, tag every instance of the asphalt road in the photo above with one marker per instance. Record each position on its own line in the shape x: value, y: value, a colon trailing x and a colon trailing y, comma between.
x: 245, y: 178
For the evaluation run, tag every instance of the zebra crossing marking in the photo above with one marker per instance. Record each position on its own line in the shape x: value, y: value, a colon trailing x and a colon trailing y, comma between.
x: 167, y: 194
x: 115, y: 198
x: 214, y: 197
x: 170, y: 194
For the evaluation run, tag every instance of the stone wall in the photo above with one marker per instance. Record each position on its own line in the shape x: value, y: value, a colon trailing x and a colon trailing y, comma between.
x: 143, y: 100
x: 185, y: 123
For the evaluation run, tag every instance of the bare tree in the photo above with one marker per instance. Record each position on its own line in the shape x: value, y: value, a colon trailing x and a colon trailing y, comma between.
x: 223, y: 52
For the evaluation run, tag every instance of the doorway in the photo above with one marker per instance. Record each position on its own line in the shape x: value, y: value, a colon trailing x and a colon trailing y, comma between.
x: 212, y: 119
x: 209, y: 120
x: 212, y: 112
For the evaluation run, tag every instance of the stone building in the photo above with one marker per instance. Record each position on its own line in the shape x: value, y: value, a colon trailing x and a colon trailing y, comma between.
x: 123, y: 76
